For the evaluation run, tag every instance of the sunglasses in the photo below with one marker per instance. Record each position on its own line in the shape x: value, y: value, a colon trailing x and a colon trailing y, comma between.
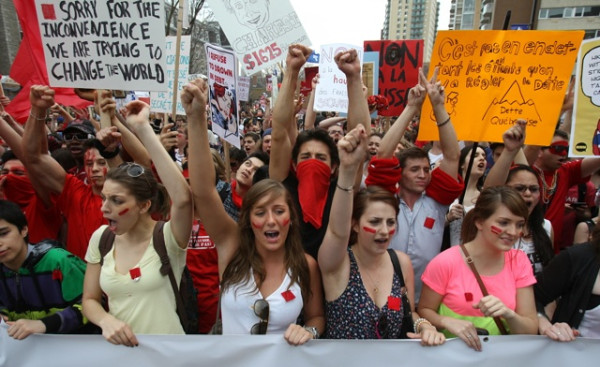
x: 522, y: 188
x: 134, y: 170
x: 78, y: 136
x: 558, y: 149
x: 261, y: 309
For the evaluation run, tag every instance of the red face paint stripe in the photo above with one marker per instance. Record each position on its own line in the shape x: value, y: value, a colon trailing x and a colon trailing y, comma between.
x: 256, y: 225
x: 369, y: 229
x: 286, y: 222
x: 391, y: 232
x: 122, y: 212
x: 496, y: 230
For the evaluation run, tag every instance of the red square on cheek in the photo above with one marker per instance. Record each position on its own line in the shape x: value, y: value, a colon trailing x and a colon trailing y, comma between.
x: 429, y: 222
x: 48, y: 11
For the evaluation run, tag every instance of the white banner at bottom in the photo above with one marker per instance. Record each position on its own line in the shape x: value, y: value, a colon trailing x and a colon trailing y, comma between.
x: 272, y: 350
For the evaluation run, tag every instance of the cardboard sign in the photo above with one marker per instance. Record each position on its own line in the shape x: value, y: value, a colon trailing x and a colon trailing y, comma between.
x: 370, y: 72
x: 163, y: 101
x: 222, y: 71
x: 585, y: 128
x: 104, y: 44
x: 332, y: 91
x: 493, y: 78
x: 399, y: 63
x: 243, y: 83
x: 259, y: 31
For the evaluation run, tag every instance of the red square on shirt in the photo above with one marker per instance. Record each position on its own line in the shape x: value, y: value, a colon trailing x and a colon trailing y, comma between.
x: 394, y: 303
x: 429, y: 222
x: 288, y: 295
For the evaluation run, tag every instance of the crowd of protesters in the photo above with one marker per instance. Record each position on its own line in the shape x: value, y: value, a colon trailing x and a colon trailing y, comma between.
x: 319, y: 226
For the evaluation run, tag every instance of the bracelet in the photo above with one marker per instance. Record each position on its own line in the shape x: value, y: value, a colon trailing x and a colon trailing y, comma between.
x: 444, y: 123
x: 349, y: 189
x: 37, y: 118
x: 313, y: 330
x: 418, y: 322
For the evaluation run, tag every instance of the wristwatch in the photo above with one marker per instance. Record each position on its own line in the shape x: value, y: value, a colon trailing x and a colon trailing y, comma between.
x: 313, y: 330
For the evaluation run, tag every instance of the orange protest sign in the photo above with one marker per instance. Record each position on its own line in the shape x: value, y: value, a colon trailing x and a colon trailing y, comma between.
x: 493, y: 78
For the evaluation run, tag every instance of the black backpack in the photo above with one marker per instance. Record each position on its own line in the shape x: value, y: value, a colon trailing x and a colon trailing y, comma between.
x: 185, y: 294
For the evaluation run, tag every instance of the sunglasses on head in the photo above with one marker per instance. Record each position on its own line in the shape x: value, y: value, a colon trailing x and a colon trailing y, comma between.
x: 134, y: 170
x: 261, y: 309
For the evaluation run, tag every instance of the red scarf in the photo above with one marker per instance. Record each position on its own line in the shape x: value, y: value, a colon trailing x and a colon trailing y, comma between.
x: 384, y: 172
x: 237, y: 199
x: 313, y: 185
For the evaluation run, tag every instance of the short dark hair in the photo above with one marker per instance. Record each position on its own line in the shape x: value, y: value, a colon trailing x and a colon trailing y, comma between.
x: 561, y: 134
x: 264, y: 157
x: 318, y: 135
x: 253, y: 135
x: 12, y: 214
x: 411, y: 153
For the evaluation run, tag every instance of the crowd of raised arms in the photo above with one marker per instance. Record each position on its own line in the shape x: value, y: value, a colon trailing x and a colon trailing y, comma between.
x: 319, y: 227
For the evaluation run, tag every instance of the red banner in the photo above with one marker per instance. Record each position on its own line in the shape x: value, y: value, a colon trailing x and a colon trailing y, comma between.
x: 399, y: 63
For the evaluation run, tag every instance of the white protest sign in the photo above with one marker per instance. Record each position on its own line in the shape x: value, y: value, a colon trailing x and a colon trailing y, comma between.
x: 222, y: 65
x: 243, y: 88
x: 332, y: 92
x: 260, y: 31
x: 104, y: 44
x: 163, y: 101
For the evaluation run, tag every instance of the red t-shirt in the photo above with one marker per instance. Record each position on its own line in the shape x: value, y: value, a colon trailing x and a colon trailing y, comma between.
x: 567, y: 175
x: 202, y: 262
x: 42, y: 222
x: 82, y: 210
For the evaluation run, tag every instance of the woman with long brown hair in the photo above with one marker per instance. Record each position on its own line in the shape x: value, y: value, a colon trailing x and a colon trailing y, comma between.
x: 453, y: 300
x: 267, y: 281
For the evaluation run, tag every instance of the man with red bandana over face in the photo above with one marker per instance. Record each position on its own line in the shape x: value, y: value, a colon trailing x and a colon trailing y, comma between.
x: 557, y: 176
x: 79, y: 203
x: 313, y: 153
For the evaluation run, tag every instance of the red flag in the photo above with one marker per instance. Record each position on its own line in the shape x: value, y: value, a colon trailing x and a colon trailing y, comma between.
x: 29, y: 66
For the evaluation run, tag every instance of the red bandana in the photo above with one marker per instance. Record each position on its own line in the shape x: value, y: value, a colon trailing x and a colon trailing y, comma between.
x: 384, y: 172
x: 313, y: 184
x: 237, y: 199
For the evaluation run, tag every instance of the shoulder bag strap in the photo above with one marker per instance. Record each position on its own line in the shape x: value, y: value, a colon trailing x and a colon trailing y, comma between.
x: 396, y: 263
x: 158, y: 240
x: 482, y: 286
x: 106, y: 243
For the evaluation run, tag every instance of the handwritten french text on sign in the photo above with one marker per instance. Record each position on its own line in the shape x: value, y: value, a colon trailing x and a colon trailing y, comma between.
x: 585, y: 128
x: 104, y: 44
x: 222, y: 85
x: 259, y: 31
x: 332, y: 91
x: 163, y: 101
x: 493, y: 78
x: 399, y: 63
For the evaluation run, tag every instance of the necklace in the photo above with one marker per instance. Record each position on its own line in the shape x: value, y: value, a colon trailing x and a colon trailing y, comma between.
x: 373, y: 282
x: 548, y: 191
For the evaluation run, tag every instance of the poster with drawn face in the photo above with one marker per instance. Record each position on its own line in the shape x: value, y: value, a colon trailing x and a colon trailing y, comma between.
x: 222, y: 71
x: 260, y: 31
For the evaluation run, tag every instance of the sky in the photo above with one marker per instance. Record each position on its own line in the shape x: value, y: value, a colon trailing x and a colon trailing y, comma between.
x: 348, y: 21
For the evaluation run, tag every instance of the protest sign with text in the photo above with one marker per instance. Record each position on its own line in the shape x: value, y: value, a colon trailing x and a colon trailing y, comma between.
x: 243, y: 84
x: 585, y: 128
x: 494, y: 78
x: 222, y: 72
x: 163, y: 101
x: 332, y: 92
x: 259, y: 31
x: 104, y: 44
x: 399, y: 63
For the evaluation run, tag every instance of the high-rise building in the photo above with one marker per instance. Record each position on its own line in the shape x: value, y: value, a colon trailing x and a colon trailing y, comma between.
x: 573, y: 14
x: 10, y: 36
x: 412, y: 19
x: 465, y: 14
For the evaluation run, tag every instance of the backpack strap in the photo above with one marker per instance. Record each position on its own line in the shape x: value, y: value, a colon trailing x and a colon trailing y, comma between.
x: 158, y: 240
x: 396, y: 263
x: 106, y: 243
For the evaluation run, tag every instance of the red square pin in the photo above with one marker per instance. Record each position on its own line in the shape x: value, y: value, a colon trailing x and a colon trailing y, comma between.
x: 288, y: 295
x: 394, y: 303
x: 429, y: 222
x: 135, y: 274
x: 48, y: 11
